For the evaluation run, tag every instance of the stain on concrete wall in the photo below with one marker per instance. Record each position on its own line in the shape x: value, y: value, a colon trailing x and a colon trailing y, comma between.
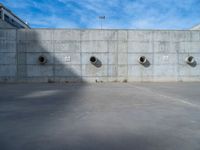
x: 68, y: 54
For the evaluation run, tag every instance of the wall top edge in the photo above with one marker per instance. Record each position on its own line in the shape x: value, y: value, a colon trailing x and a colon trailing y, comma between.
x: 67, y: 29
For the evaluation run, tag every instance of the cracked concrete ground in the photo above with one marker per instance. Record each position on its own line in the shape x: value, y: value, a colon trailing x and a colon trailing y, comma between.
x: 106, y: 116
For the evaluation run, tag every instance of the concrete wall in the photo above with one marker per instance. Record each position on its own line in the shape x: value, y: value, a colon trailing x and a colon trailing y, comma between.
x: 8, y: 61
x: 68, y: 53
x: 5, y: 25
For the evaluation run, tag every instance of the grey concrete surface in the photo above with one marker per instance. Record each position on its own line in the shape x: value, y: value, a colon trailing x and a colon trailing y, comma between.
x: 103, y: 116
x: 118, y: 51
x: 5, y: 25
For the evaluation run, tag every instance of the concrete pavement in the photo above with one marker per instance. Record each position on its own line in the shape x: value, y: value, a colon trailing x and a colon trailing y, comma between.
x: 104, y: 116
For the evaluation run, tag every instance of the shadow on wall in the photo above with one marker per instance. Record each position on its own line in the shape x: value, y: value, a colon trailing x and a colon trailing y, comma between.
x: 27, y: 111
x: 41, y: 60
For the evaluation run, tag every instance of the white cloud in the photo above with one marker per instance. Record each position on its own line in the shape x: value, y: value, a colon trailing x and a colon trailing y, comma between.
x: 161, y: 14
x: 53, y: 21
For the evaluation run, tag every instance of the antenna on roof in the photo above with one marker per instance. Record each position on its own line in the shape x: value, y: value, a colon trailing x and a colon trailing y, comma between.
x: 101, y: 18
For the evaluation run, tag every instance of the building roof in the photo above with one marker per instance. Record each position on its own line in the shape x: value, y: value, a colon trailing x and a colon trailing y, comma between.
x: 2, y: 6
x: 196, y: 27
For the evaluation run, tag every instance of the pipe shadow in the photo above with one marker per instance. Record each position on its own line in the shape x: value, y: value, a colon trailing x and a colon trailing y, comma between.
x: 95, y: 61
x: 194, y: 64
x: 147, y: 64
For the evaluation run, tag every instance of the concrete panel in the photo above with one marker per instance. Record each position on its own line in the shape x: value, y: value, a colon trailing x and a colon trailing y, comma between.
x: 39, y: 71
x: 66, y: 35
x: 21, y: 46
x: 189, y: 47
x: 66, y: 46
x: 122, y: 35
x: 164, y: 79
x: 95, y: 79
x: 140, y: 71
x: 92, y: 71
x: 67, y: 58
x: 8, y: 34
x: 68, y: 70
x: 172, y: 36
x: 8, y: 70
x: 185, y: 47
x: 141, y: 79
x: 162, y: 36
x: 180, y: 36
x: 36, y: 34
x: 112, y: 46
x: 21, y: 58
x: 112, y: 70
x: 165, y: 59
x: 7, y: 46
x: 7, y: 80
x: 32, y: 58
x: 39, y: 46
x: 98, y: 35
x: 122, y: 46
x: 140, y: 36
x: 37, y: 79
x: 21, y: 72
x: 112, y: 79
x: 103, y: 58
x: 195, y: 36
x: 189, y: 71
x: 94, y: 46
x: 166, y: 47
x: 112, y: 58
x: 140, y: 47
x: 165, y: 70
x: 122, y: 58
x: 21, y: 35
x: 7, y: 58
x: 68, y: 79
x: 122, y: 79
x: 122, y: 70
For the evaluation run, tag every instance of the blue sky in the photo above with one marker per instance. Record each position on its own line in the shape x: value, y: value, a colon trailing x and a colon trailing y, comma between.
x: 128, y: 14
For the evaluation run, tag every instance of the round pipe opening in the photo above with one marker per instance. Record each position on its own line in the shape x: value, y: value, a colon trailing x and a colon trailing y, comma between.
x: 190, y: 60
x: 93, y: 60
x: 42, y: 59
x: 142, y: 60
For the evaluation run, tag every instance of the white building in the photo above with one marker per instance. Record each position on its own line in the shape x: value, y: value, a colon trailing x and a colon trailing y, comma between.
x: 10, y: 20
x: 196, y: 27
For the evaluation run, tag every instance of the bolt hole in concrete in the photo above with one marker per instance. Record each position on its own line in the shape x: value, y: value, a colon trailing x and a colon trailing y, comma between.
x: 95, y: 61
x: 142, y: 59
x: 191, y: 61
x: 42, y: 60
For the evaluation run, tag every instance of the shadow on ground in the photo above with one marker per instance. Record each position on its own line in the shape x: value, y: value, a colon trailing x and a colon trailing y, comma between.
x: 98, y: 116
